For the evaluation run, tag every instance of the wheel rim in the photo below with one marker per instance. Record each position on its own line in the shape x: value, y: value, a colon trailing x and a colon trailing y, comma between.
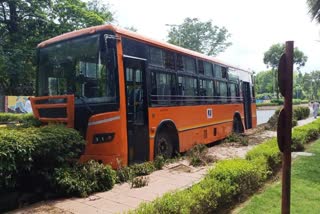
x: 163, y: 146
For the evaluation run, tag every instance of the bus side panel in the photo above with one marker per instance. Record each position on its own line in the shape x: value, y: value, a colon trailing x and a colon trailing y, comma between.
x: 204, y: 135
x: 194, y: 123
x: 254, y: 115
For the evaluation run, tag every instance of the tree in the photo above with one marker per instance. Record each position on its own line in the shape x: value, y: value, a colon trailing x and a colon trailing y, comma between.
x: 263, y: 83
x: 315, y: 85
x: 314, y: 9
x: 307, y: 84
x: 199, y: 36
x: 25, y: 23
x: 272, y: 57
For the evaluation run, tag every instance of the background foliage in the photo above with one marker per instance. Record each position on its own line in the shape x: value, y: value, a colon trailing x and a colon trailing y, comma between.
x: 203, y: 37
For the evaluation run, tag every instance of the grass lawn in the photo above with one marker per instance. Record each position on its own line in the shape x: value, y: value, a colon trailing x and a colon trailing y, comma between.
x: 305, y: 188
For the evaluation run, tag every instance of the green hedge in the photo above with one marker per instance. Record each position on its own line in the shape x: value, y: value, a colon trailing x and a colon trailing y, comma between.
x: 298, y: 113
x: 304, y: 134
x: 84, y: 179
x: 267, y: 104
x: 26, y: 120
x: 229, y: 181
x: 28, y: 156
x: 267, y: 155
x: 275, y: 102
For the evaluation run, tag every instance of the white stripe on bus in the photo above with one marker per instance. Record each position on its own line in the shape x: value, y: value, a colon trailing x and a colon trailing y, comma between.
x: 103, y: 121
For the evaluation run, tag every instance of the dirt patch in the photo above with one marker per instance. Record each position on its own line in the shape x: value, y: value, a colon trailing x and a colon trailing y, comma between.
x: 42, y: 209
x: 236, y: 150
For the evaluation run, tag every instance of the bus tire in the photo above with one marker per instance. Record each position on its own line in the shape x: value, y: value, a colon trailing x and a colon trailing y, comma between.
x: 237, y: 125
x: 164, y: 145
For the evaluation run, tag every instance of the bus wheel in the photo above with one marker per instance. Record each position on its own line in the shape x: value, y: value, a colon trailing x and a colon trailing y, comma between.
x: 163, y: 145
x: 237, y: 126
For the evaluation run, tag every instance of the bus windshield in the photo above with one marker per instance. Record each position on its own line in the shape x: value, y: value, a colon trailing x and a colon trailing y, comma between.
x: 78, y: 66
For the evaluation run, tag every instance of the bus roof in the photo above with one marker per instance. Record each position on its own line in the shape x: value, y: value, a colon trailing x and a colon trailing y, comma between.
x: 133, y: 35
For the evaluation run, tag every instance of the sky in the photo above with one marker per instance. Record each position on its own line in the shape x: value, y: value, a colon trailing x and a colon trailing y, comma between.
x: 254, y: 25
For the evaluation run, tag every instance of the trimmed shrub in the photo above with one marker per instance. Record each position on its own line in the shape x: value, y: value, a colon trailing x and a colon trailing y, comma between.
x: 266, y: 104
x: 294, y: 122
x: 175, y: 203
x: 139, y: 182
x: 298, y: 141
x: 211, y: 195
x: 84, y: 179
x: 197, y: 155
x: 142, y: 169
x: 244, y: 175
x: 277, y: 101
x: 27, y: 120
x: 229, y: 180
x: 10, y: 117
x: 16, y: 151
x: 159, y: 162
x: 304, y: 134
x: 310, y: 130
x: 266, y: 155
x: 237, y: 138
x: 128, y: 173
x: 298, y: 113
x: 124, y: 174
x: 28, y: 156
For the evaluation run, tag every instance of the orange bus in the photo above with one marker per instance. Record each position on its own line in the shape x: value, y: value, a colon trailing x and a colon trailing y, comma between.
x: 133, y: 98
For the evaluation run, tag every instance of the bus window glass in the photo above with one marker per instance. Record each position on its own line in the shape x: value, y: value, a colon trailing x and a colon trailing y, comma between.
x: 138, y: 76
x: 233, y: 75
x: 208, y: 69
x: 224, y: 72
x: 217, y: 71
x: 169, y: 60
x: 180, y: 66
x: 156, y: 57
x: 163, y: 86
x: 206, y: 88
x: 209, y: 88
x: 190, y: 64
x: 129, y: 74
x: 223, y: 91
x: 200, y: 67
x: 233, y: 92
x: 188, y: 86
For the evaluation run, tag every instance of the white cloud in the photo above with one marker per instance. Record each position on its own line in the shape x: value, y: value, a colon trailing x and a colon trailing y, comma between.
x: 254, y: 25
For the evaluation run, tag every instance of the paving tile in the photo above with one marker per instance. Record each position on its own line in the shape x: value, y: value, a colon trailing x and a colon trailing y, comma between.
x: 108, y: 205
x: 127, y: 200
x: 107, y: 195
x: 140, y: 194
x: 79, y: 208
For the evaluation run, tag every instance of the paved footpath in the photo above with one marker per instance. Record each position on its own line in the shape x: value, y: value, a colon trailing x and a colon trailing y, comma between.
x: 123, y: 198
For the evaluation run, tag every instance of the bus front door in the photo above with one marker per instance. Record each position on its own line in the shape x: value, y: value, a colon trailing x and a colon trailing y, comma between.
x: 137, y: 114
x: 247, y: 104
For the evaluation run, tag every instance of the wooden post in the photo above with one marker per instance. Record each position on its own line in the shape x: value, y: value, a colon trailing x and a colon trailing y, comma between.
x: 285, y: 76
